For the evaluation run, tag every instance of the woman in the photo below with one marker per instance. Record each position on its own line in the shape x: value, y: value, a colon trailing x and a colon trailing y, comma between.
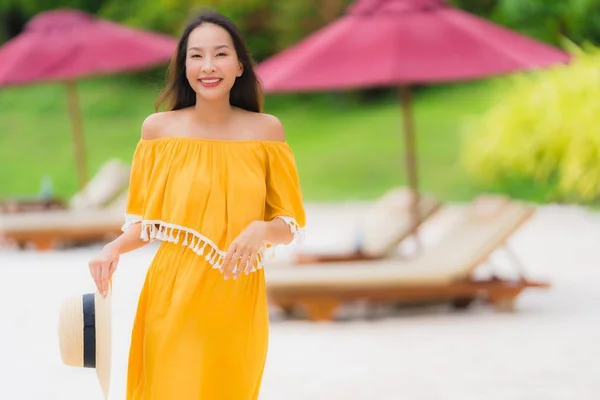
x: 215, y: 180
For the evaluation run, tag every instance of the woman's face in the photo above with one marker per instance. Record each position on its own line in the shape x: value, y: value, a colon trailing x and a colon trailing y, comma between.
x: 211, y: 62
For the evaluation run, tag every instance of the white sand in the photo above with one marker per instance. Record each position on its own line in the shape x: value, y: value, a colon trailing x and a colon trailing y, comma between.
x: 548, y: 349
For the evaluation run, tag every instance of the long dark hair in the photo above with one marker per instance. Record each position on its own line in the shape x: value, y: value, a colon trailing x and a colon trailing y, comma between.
x: 246, y: 92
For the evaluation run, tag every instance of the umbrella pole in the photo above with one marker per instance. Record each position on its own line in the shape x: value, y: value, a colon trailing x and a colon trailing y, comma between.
x: 410, y: 158
x: 77, y: 132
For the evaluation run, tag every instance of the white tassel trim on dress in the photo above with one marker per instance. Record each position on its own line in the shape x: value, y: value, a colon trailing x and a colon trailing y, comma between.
x: 295, y: 228
x: 130, y: 219
x: 195, y: 241
x: 297, y: 231
x: 198, y: 243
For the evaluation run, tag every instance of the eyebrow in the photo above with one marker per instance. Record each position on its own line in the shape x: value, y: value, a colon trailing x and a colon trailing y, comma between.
x: 216, y: 47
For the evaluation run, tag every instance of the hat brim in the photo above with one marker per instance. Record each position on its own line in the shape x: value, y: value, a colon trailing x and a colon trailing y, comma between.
x: 103, y: 340
x: 85, y: 334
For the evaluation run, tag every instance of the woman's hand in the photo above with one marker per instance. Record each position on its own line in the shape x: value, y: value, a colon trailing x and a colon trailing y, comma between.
x: 243, y: 251
x: 103, y: 266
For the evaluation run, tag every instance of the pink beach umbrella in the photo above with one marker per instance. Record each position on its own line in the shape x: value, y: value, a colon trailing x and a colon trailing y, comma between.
x: 403, y: 42
x: 65, y: 45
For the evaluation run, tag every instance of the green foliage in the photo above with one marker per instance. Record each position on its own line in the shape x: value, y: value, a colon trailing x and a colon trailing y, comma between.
x: 546, y: 20
x: 29, y: 8
x: 292, y: 21
x: 14, y: 14
x: 484, y: 8
x: 577, y: 20
x: 543, y: 132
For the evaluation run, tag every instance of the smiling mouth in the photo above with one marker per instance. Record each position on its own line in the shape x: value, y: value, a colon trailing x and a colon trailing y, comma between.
x: 211, y: 81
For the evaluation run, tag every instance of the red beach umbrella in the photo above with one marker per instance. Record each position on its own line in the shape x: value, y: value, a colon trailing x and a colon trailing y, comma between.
x: 403, y: 42
x: 65, y: 45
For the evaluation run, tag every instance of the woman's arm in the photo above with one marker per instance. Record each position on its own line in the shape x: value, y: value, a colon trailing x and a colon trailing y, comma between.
x: 277, y: 231
x: 128, y: 241
x: 103, y: 266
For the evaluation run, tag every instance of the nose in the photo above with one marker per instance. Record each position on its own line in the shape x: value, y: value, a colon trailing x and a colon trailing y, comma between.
x: 208, y: 66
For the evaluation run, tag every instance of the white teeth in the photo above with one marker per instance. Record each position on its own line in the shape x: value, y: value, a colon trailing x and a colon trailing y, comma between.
x: 210, y: 80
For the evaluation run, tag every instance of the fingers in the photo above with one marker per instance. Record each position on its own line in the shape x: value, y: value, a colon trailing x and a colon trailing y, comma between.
x: 243, y: 261
x: 108, y: 268
x: 247, y: 262
x: 104, y: 278
x: 95, y: 269
x: 251, y: 262
x: 230, y: 260
x: 102, y: 271
x: 239, y: 259
x: 112, y: 269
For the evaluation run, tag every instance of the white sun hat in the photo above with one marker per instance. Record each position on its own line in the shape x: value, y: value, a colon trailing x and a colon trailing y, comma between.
x: 85, y: 334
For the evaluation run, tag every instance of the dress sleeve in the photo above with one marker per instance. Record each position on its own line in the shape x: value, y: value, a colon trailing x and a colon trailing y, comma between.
x: 141, y: 168
x: 284, y: 196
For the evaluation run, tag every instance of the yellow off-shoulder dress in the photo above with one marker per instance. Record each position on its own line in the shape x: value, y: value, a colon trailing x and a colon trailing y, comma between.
x: 197, y: 336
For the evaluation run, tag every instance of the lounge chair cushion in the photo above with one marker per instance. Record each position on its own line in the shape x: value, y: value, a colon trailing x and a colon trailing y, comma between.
x: 484, y: 227
x: 107, y: 184
x: 388, y: 221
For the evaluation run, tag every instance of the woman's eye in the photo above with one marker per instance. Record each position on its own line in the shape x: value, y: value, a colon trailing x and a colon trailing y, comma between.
x: 221, y: 55
x: 195, y: 55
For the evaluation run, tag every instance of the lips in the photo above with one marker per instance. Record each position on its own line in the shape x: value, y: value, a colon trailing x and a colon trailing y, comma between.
x: 210, y: 82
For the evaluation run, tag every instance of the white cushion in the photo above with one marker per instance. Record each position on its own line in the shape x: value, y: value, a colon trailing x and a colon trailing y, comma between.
x: 107, y: 184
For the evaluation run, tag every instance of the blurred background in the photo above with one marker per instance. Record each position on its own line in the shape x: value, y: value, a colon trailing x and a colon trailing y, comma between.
x: 348, y: 142
x: 449, y: 156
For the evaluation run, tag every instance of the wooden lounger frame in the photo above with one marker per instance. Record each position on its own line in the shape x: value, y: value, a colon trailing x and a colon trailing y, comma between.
x: 47, y: 240
x: 322, y: 304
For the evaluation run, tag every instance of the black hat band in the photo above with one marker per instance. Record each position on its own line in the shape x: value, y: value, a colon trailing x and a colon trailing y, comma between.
x: 89, y: 331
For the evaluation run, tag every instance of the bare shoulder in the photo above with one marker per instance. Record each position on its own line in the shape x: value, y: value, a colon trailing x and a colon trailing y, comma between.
x: 273, y: 128
x: 266, y: 127
x: 160, y: 124
x: 153, y: 124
